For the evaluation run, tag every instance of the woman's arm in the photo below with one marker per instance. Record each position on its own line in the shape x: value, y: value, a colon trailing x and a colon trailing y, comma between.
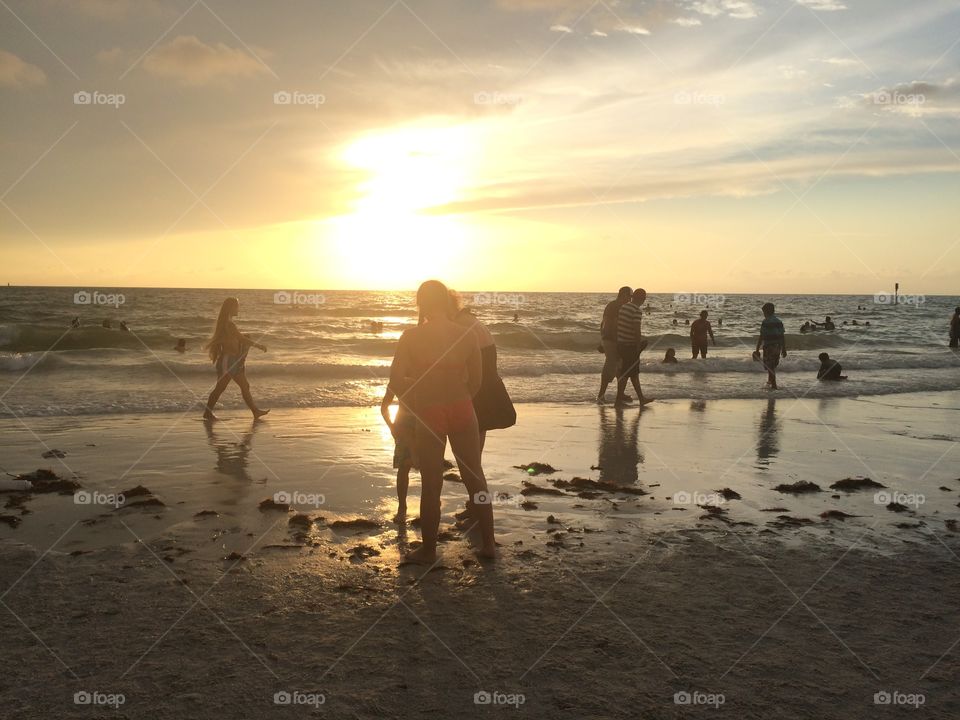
x: 247, y: 341
x: 474, y: 366
x: 388, y: 396
x: 400, y: 367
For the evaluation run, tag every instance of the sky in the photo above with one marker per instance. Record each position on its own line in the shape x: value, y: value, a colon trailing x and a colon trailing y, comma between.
x: 782, y: 146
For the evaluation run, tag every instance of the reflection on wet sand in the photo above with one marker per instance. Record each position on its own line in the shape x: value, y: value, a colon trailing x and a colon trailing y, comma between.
x: 619, y: 449
x: 768, y: 435
x: 232, y: 450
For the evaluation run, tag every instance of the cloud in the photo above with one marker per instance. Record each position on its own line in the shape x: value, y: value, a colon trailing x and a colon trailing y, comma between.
x: 188, y: 60
x: 738, y: 9
x: 598, y: 33
x: 686, y: 21
x: 842, y: 62
x: 560, y: 29
x: 633, y: 30
x: 916, y: 98
x: 14, y: 72
x: 824, y: 5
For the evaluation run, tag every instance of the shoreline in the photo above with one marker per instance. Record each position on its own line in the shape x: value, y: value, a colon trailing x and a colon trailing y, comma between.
x: 339, y: 461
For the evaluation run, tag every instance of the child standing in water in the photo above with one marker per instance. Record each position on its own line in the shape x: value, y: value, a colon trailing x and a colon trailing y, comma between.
x: 228, y: 349
x: 403, y: 428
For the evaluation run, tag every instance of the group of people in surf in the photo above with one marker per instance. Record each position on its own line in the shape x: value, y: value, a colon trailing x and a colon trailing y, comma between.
x: 622, y: 342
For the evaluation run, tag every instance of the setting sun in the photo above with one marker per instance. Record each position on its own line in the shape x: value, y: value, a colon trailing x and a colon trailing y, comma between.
x: 388, y: 239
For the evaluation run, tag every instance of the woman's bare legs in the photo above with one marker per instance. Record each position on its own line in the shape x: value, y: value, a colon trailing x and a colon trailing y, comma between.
x: 467, y: 450
x: 240, y: 379
x: 467, y: 512
x: 430, y: 454
x: 214, y: 396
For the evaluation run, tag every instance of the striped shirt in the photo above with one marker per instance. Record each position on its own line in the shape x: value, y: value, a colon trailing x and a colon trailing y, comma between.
x: 628, y: 320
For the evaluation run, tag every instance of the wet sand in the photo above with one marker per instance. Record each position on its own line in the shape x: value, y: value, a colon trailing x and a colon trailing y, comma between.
x: 603, y: 603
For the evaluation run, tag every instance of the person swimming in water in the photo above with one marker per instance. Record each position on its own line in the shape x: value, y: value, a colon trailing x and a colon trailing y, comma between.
x: 829, y: 369
x: 670, y: 357
x: 181, y: 345
x: 228, y: 349
x: 827, y: 324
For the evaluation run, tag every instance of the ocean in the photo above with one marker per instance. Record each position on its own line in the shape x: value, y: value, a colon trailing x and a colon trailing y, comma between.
x: 324, y: 351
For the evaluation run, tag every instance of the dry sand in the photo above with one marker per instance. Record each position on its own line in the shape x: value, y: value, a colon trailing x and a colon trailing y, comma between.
x: 600, y: 606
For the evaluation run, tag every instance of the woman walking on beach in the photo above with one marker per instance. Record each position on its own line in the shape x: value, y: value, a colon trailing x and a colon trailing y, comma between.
x: 228, y: 349
x: 436, y: 372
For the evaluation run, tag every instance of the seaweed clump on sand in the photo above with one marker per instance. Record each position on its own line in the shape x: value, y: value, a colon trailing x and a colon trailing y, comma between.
x: 530, y: 489
x: 728, y: 494
x: 537, y: 468
x: 300, y: 520
x: 836, y: 515
x: 579, y: 483
x: 47, y: 481
x: 851, y: 484
x: 271, y: 504
x: 799, y: 487
x: 356, y: 524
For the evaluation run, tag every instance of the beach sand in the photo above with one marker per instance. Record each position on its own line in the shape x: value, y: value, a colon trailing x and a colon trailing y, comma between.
x: 603, y: 602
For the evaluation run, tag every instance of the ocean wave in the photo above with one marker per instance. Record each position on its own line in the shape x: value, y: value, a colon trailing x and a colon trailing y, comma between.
x: 130, y: 362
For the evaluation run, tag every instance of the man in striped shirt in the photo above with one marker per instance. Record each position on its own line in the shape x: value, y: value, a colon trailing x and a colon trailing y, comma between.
x: 630, y: 344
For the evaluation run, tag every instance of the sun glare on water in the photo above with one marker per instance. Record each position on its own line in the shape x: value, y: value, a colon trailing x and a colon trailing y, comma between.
x: 388, y: 240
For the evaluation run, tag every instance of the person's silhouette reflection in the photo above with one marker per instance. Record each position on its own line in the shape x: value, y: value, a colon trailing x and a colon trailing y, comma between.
x: 619, y: 449
x: 768, y: 434
x: 232, y: 450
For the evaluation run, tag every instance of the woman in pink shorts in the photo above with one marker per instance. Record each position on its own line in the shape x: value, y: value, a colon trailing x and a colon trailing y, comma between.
x: 436, y: 372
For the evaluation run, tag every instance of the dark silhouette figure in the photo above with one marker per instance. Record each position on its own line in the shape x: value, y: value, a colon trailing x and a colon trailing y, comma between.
x: 829, y: 369
x: 700, y: 330
x: 773, y: 342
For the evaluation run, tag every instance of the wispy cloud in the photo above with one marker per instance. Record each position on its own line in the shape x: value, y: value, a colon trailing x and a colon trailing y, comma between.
x: 189, y: 61
x: 15, y: 72
x: 823, y: 5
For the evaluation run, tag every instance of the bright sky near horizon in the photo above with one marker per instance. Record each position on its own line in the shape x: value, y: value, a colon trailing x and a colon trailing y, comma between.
x: 682, y: 145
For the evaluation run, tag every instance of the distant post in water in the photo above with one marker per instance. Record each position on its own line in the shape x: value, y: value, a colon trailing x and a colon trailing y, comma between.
x: 896, y: 293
